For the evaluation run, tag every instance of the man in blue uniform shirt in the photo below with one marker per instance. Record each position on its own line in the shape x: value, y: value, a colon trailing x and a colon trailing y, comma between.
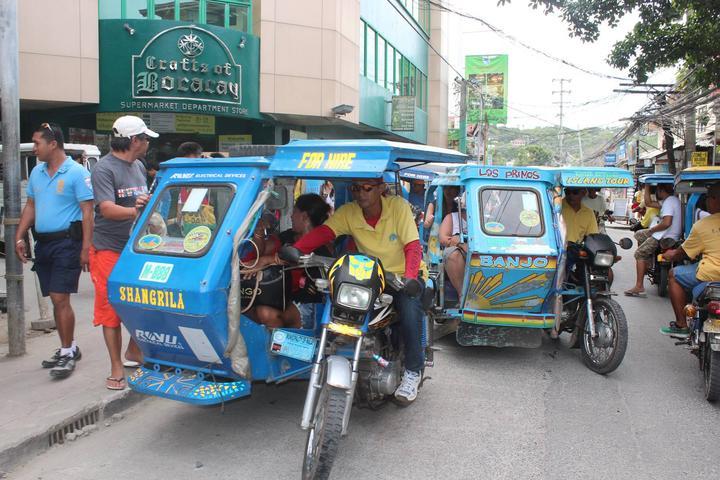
x: 59, y: 208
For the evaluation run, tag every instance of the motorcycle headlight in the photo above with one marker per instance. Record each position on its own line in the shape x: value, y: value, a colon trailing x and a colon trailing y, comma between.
x: 604, y: 259
x: 354, y: 296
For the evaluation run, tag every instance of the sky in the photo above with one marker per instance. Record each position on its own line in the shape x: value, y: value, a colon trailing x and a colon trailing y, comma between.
x: 531, y: 75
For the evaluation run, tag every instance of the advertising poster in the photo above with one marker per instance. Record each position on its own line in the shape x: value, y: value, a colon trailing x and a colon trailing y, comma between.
x: 488, y: 78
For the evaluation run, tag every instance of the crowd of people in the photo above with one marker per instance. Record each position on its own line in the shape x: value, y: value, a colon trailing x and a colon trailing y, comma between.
x: 82, y: 221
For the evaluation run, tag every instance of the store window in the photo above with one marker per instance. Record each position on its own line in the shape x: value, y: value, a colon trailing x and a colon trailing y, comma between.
x: 215, y: 13
x: 239, y: 18
x: 381, y: 61
x: 164, y: 10
x: 390, y: 61
x: 136, y: 9
x: 362, y: 48
x: 233, y: 14
x: 190, y: 11
x: 370, y: 54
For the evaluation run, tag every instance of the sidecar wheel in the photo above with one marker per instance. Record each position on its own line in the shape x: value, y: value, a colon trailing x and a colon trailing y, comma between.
x: 711, y: 372
x: 324, y: 435
x: 605, y: 353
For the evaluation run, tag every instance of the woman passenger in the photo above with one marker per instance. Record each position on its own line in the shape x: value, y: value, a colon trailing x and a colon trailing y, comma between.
x: 455, y: 252
x: 310, y: 211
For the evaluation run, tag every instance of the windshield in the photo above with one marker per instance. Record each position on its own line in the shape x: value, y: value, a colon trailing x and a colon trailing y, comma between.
x: 184, y: 220
x: 511, y: 212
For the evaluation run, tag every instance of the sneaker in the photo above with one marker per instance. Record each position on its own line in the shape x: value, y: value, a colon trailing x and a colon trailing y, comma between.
x: 407, y: 391
x: 64, y: 367
x: 675, y: 331
x: 56, y: 356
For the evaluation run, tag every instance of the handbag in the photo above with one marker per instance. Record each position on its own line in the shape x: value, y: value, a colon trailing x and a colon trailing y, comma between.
x: 268, y: 287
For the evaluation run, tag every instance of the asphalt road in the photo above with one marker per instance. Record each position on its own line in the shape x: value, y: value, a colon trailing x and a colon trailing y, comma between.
x: 484, y: 413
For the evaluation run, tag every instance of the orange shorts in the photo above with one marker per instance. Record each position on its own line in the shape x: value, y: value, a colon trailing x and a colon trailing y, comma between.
x: 101, y: 265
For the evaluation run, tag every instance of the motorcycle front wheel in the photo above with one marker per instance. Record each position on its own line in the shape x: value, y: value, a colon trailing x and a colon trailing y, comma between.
x: 711, y: 372
x: 324, y: 435
x: 604, y: 353
x: 663, y: 273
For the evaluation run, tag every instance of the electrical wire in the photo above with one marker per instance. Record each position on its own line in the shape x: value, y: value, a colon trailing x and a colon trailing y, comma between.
x: 517, y: 41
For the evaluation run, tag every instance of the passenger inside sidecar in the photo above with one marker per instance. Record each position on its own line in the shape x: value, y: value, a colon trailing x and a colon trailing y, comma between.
x: 279, y: 297
x: 187, y: 226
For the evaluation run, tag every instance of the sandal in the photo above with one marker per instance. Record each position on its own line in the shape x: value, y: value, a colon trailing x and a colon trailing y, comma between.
x: 113, y: 383
x: 633, y: 293
x: 674, y: 330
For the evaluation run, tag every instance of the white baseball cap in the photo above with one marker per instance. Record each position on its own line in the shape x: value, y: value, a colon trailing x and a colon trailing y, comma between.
x: 128, y: 126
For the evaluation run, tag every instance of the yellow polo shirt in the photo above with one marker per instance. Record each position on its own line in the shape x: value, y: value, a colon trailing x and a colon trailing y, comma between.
x: 650, y: 213
x: 395, y: 229
x: 703, y: 239
x: 578, y: 223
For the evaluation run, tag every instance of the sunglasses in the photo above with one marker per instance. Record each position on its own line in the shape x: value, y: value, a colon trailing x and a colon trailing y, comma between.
x: 355, y: 187
x: 49, y: 129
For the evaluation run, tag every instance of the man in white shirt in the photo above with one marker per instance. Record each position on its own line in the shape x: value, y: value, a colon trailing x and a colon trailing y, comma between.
x: 669, y: 226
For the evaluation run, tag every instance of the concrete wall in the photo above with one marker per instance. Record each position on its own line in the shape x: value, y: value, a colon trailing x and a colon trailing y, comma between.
x: 309, y: 56
x: 58, y: 42
x: 438, y: 79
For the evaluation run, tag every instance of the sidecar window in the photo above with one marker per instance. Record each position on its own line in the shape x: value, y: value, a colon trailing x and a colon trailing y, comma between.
x: 184, y: 220
x: 511, y: 212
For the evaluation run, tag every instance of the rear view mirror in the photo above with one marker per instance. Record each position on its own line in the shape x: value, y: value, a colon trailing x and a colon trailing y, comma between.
x: 625, y: 243
x: 277, y: 199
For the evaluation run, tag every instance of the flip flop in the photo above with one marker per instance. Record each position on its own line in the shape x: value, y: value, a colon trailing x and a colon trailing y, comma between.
x: 630, y: 293
x: 112, y: 383
x: 131, y: 364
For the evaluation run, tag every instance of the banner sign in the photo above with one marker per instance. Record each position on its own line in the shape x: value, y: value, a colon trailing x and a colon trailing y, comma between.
x: 621, y: 151
x: 610, y: 159
x: 166, y: 67
x: 403, y: 114
x: 699, y: 159
x: 227, y: 142
x: 488, y: 78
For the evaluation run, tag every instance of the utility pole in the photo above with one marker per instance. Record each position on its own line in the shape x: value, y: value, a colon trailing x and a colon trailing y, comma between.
x: 463, y: 84
x: 10, y: 109
x: 562, y: 93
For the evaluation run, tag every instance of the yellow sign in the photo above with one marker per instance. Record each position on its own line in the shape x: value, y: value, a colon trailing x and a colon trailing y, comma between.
x: 333, y: 161
x: 699, y: 159
x: 154, y: 297
x: 104, y: 120
x: 188, y: 123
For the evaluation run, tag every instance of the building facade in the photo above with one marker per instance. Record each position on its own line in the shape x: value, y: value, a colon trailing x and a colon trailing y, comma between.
x: 231, y: 72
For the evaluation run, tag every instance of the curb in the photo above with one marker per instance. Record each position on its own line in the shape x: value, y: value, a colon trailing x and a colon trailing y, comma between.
x: 36, y: 443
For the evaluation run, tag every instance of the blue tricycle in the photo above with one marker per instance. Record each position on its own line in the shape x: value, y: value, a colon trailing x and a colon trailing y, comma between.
x: 520, y: 277
x: 178, y: 287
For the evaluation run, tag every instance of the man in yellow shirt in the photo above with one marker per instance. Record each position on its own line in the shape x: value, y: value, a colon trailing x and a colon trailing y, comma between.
x: 703, y: 239
x: 384, y: 227
x: 579, y: 219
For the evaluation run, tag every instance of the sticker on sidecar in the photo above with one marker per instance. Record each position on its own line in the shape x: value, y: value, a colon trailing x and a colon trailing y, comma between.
x: 331, y: 161
x: 153, y: 297
x: 188, y: 176
x: 156, y: 272
x: 293, y: 345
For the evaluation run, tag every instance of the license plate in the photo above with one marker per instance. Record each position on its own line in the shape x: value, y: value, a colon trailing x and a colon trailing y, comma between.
x: 293, y: 345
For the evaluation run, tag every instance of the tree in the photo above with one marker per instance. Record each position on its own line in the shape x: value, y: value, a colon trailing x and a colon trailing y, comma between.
x: 669, y: 32
x: 533, y: 155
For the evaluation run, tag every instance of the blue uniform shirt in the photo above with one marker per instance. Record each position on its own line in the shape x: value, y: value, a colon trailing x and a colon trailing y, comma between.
x: 57, y: 199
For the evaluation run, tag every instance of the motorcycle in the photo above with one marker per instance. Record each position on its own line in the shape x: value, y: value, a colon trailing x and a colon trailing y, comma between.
x: 703, y: 317
x: 359, y: 355
x: 597, y: 322
x: 658, y: 270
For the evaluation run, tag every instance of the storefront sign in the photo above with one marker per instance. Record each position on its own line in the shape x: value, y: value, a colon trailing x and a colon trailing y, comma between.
x: 166, y: 67
x: 699, y: 159
x: 403, y: 114
x: 163, y: 122
x: 610, y: 159
x: 227, y: 142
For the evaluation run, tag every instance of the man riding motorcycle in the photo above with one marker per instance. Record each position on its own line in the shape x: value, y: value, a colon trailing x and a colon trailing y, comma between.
x: 703, y: 239
x: 670, y: 226
x: 384, y: 227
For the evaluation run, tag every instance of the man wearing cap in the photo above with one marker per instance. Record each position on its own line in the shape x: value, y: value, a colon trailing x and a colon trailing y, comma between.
x: 59, y: 209
x: 120, y: 185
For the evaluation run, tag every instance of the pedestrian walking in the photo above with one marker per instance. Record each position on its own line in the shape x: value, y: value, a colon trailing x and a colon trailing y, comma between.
x: 59, y: 211
x: 120, y: 185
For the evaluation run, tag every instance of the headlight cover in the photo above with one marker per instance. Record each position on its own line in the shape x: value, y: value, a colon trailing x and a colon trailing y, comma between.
x: 354, y: 296
x: 604, y: 259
